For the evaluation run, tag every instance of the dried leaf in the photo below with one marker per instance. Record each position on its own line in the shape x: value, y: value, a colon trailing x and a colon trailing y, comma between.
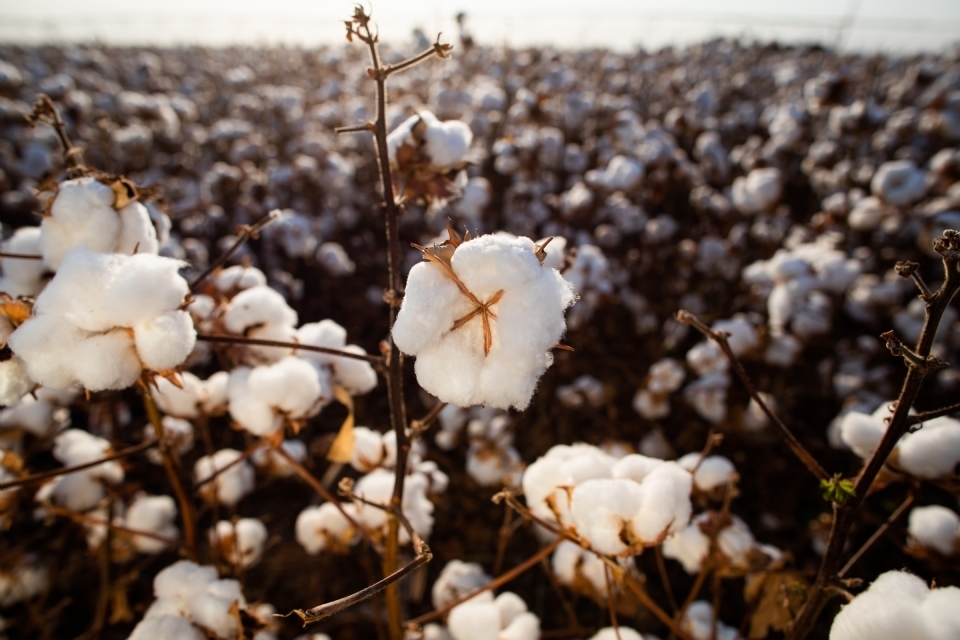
x: 15, y: 310
x: 341, y: 450
x: 775, y: 597
x: 124, y: 190
x: 540, y: 250
x: 172, y: 376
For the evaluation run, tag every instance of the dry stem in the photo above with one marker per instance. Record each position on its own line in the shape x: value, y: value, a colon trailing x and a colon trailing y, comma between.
x: 205, y: 337
x: 46, y: 475
x: 246, y: 232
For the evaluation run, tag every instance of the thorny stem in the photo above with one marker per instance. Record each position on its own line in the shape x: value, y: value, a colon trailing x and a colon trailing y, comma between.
x: 170, y: 465
x: 720, y: 338
x: 206, y: 337
x: 45, y: 475
x: 948, y: 246
x: 316, y: 485
x: 246, y: 232
x: 497, y: 582
x: 876, y: 535
x: 45, y: 111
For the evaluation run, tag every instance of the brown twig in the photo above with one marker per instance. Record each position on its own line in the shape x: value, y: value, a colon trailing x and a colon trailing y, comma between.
x: 876, y: 536
x: 45, y: 111
x: 170, y: 464
x: 84, y: 518
x: 20, y: 256
x: 923, y: 416
x: 46, y: 475
x: 244, y: 455
x: 205, y: 337
x: 665, y: 579
x: 720, y: 337
x: 247, y: 232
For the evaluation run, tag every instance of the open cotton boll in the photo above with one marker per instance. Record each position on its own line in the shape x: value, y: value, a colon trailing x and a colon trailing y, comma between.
x: 178, y: 432
x: 238, y: 278
x: 743, y: 335
x: 601, y: 509
x: 689, y: 547
x: 323, y: 527
x: 38, y: 415
x: 899, y: 182
x: 212, y: 608
x: 698, y: 621
x: 137, y: 233
x: 15, y: 383
x: 457, y: 579
x: 665, y: 503
x: 712, y: 472
x: 241, y: 541
x: 562, y: 466
x: 453, y: 363
x: 759, y: 191
x: 166, y: 627
x: 82, y: 213
x: 899, y: 606
x: 264, y: 397
x: 106, y: 361
x: 183, y: 401
x: 165, y: 342
x: 369, y: 451
x: 475, y: 619
x: 259, y: 305
x: 707, y: 357
x: 232, y: 484
x: 444, y: 143
x: 665, y: 376
x: 24, y: 580
x: 620, y: 633
x: 20, y: 277
x: 708, y: 395
x: 935, y: 527
x: 933, y: 451
x: 862, y: 432
x: 152, y: 514
x: 635, y: 467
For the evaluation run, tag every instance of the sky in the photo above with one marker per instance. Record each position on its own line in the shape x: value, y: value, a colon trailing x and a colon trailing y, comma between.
x: 871, y: 25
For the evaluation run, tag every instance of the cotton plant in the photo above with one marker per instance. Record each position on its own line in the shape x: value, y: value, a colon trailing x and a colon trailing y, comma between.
x: 481, y: 316
x: 263, y: 399
x: 936, y: 528
x: 928, y: 453
x: 192, y: 397
x: 485, y: 617
x: 104, y: 319
x: 585, y: 572
x: 43, y: 413
x: 151, y: 514
x: 899, y: 605
x: 239, y: 542
x: 736, y: 553
x: 652, y: 401
x: 84, y: 489
x: 225, y: 478
x: 425, y: 153
x: 457, y: 579
x: 193, y: 603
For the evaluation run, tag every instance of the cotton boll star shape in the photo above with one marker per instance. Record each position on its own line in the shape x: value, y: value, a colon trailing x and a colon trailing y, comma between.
x: 481, y: 316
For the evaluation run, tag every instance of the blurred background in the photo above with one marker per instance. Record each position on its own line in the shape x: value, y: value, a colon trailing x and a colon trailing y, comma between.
x: 860, y: 25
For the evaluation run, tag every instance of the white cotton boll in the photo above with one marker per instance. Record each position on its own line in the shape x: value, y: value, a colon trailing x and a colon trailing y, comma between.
x: 706, y: 357
x: 941, y: 613
x: 758, y: 191
x: 78, y: 491
x: 890, y: 609
x: 37, y: 416
x: 651, y: 406
x: 620, y: 633
x: 238, y: 278
x: 273, y: 463
x: 635, y: 467
x: 933, y: 451
x: 248, y: 408
x: 935, y: 527
x: 754, y: 419
x: 368, y: 450
x: 259, y: 305
x: 526, y: 626
x: 736, y: 542
x: 899, y: 182
x: 22, y: 277
x: 182, y: 581
x: 318, y: 527
x: 166, y: 627
x: 213, y: 612
x: 178, y: 432
x: 698, y: 622
x: 165, y: 342
x: 689, y: 547
x: 325, y: 333
x: 510, y: 606
x: 82, y: 214
x: 231, y: 485
x: 356, y: 376
x: 712, y: 472
x: 601, y: 508
x: 216, y: 396
x: 335, y: 259
x: 137, y: 233
x: 447, y: 142
x: 862, y: 432
x: 665, y: 503
x: 143, y: 287
x: 708, y: 396
x: 782, y: 351
x: 15, y: 383
x: 475, y: 619
x: 243, y: 541
x: 182, y: 401
x: 292, y: 386
x: 106, y: 361
x: 665, y: 376
x: 152, y: 514
x: 743, y: 335
x: 457, y: 579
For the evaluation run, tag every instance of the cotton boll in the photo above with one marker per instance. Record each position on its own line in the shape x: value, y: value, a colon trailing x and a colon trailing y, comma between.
x: 82, y: 214
x: 215, y: 393
x: 335, y: 259
x: 457, y: 579
x: 899, y: 182
x: 259, y: 305
x: 665, y: 504
x: 22, y: 277
x: 862, y: 432
x: 356, y: 376
x: 689, y: 547
x: 782, y: 351
x: 178, y: 432
x: 620, y: 633
x: 665, y: 376
x: 712, y: 472
x: 15, y: 383
x: 232, y: 484
x: 933, y: 451
x: 708, y: 395
x: 935, y: 527
x: 889, y: 609
x: 754, y: 419
x: 601, y: 508
x: 273, y: 463
x: 39, y: 416
x: 165, y: 342
x: 698, y: 621
x: 166, y: 627
x: 182, y: 401
x: 940, y: 613
x: 651, y: 406
x: 743, y: 335
x: 526, y: 626
x: 368, y: 450
x: 106, y: 361
x: 137, y: 233
x: 238, y: 278
x: 475, y: 619
x: 635, y: 467
x: 144, y: 286
x: 152, y: 514
x: 758, y: 191
x: 318, y: 528
x: 242, y: 541
x: 706, y: 357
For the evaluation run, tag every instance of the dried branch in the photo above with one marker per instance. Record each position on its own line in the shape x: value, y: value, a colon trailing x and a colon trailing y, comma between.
x: 247, y: 231
x: 720, y: 337
x: 923, y: 416
x: 84, y: 518
x: 206, y: 337
x: 20, y: 256
x: 876, y: 535
x: 46, y: 475
x: 45, y: 111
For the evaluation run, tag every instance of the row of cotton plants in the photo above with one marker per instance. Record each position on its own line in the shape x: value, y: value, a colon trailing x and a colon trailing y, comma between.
x: 199, y: 379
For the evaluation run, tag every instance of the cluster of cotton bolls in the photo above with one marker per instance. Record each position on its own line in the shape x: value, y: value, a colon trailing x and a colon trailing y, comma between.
x: 767, y: 187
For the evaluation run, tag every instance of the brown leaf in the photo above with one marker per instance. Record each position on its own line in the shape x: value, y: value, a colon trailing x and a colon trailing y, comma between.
x: 540, y: 250
x: 341, y: 450
x: 775, y: 598
x: 15, y: 310
x: 124, y: 190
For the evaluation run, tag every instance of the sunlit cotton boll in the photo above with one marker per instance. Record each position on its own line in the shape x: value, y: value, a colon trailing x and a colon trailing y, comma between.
x: 444, y: 143
x: 263, y: 398
x: 759, y: 191
x: 527, y: 302
x: 231, y: 484
x: 935, y: 527
x: 457, y: 579
x: 152, y: 514
x: 241, y: 541
x: 487, y: 618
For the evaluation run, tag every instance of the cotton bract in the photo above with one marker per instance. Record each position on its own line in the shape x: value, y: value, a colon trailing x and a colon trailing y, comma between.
x: 103, y: 319
x: 474, y: 354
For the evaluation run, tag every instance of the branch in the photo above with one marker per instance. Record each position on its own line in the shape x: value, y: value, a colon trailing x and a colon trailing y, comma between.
x: 45, y: 475
x: 438, y: 49
x: 20, y: 256
x: 45, y: 111
x: 247, y: 231
x: 82, y: 517
x: 876, y: 535
x: 923, y: 416
x: 357, y: 128
x: 206, y: 337
x: 720, y: 338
